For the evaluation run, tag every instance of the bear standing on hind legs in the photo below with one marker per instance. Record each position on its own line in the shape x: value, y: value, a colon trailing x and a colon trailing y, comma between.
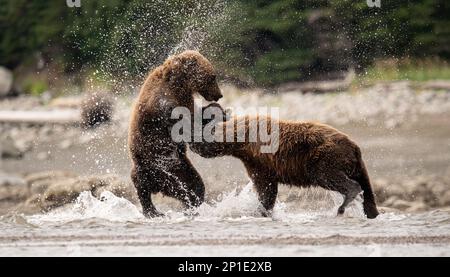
x: 158, y: 163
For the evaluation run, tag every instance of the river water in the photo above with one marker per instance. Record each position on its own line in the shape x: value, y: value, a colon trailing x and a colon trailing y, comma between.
x: 114, y: 226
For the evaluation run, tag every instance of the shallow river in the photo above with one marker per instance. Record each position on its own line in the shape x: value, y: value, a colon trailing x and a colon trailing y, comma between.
x: 229, y: 227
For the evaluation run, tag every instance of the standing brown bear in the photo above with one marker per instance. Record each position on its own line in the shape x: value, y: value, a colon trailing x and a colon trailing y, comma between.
x: 308, y: 154
x: 158, y: 163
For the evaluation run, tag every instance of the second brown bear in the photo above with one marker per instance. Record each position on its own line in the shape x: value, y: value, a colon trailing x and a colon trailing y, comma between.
x: 308, y: 154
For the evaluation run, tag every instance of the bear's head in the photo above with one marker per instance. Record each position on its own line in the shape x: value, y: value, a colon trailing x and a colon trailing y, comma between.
x: 217, y: 112
x: 192, y: 72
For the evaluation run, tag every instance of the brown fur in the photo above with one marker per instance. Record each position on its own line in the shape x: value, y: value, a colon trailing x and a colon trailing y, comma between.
x: 309, y: 154
x: 158, y: 163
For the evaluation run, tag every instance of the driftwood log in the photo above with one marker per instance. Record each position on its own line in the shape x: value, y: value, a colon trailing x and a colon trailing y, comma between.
x: 63, y: 116
x: 320, y: 86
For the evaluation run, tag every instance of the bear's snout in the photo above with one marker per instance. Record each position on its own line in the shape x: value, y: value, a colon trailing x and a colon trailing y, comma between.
x: 213, y: 96
x: 217, y: 97
x: 217, y: 94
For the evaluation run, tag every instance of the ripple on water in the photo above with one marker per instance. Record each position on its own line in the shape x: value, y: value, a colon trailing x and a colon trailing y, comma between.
x: 231, y: 215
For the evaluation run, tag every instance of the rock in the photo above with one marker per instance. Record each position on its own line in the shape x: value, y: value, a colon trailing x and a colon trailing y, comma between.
x: 390, y: 201
x: 380, y: 187
x: 85, y: 138
x: 418, y: 193
x: 13, y: 189
x: 417, y: 207
x: 444, y: 199
x: 39, y: 182
x: 65, y: 191
x: 45, y: 132
x: 32, y: 205
x: 119, y: 188
x: 65, y: 144
x: 46, y: 96
x: 402, y: 204
x: 8, y: 149
x: 48, y: 175
x: 43, y: 156
x: 24, y: 144
x: 397, y: 203
x: 384, y: 210
x: 384, y: 190
x: 6, y: 81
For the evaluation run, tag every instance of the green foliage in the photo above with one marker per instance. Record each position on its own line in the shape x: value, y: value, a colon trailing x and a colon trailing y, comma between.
x: 269, y: 41
x: 141, y: 38
x: 280, y: 66
x: 125, y: 39
x: 413, y: 70
x: 88, y: 30
x: 272, y: 41
x: 35, y: 87
x: 290, y: 39
x: 27, y: 26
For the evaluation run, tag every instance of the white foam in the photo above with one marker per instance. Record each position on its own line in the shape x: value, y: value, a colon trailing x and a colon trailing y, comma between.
x: 108, y: 207
x: 236, y: 205
x: 392, y: 216
x: 232, y: 204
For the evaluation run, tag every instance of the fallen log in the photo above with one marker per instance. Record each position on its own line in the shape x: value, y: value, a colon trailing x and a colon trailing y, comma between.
x: 320, y: 86
x: 66, y: 116
x: 437, y: 85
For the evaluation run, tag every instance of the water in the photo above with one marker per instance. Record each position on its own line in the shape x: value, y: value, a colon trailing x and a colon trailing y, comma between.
x: 114, y: 226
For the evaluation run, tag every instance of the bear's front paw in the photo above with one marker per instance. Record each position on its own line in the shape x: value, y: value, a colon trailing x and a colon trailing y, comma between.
x: 264, y: 212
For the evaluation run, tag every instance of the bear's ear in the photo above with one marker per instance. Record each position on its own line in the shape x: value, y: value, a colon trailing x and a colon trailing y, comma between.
x: 179, y: 67
x: 188, y: 63
x: 174, y: 71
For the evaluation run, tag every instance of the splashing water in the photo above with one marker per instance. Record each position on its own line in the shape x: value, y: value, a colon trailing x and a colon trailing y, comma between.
x: 192, y: 39
x: 150, y: 31
x: 203, y: 24
x: 114, y: 226
x: 108, y: 207
x: 235, y: 205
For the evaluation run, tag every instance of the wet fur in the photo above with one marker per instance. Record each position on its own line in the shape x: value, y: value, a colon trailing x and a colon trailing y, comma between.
x: 309, y: 154
x: 158, y: 163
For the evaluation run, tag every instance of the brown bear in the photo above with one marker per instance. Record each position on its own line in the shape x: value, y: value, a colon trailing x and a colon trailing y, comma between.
x: 308, y: 154
x: 159, y: 164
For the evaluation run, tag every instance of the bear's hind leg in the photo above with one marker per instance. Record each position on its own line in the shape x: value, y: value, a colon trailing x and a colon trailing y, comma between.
x: 148, y: 208
x: 350, y: 193
x: 339, y: 182
x: 142, y: 183
x: 187, y: 186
